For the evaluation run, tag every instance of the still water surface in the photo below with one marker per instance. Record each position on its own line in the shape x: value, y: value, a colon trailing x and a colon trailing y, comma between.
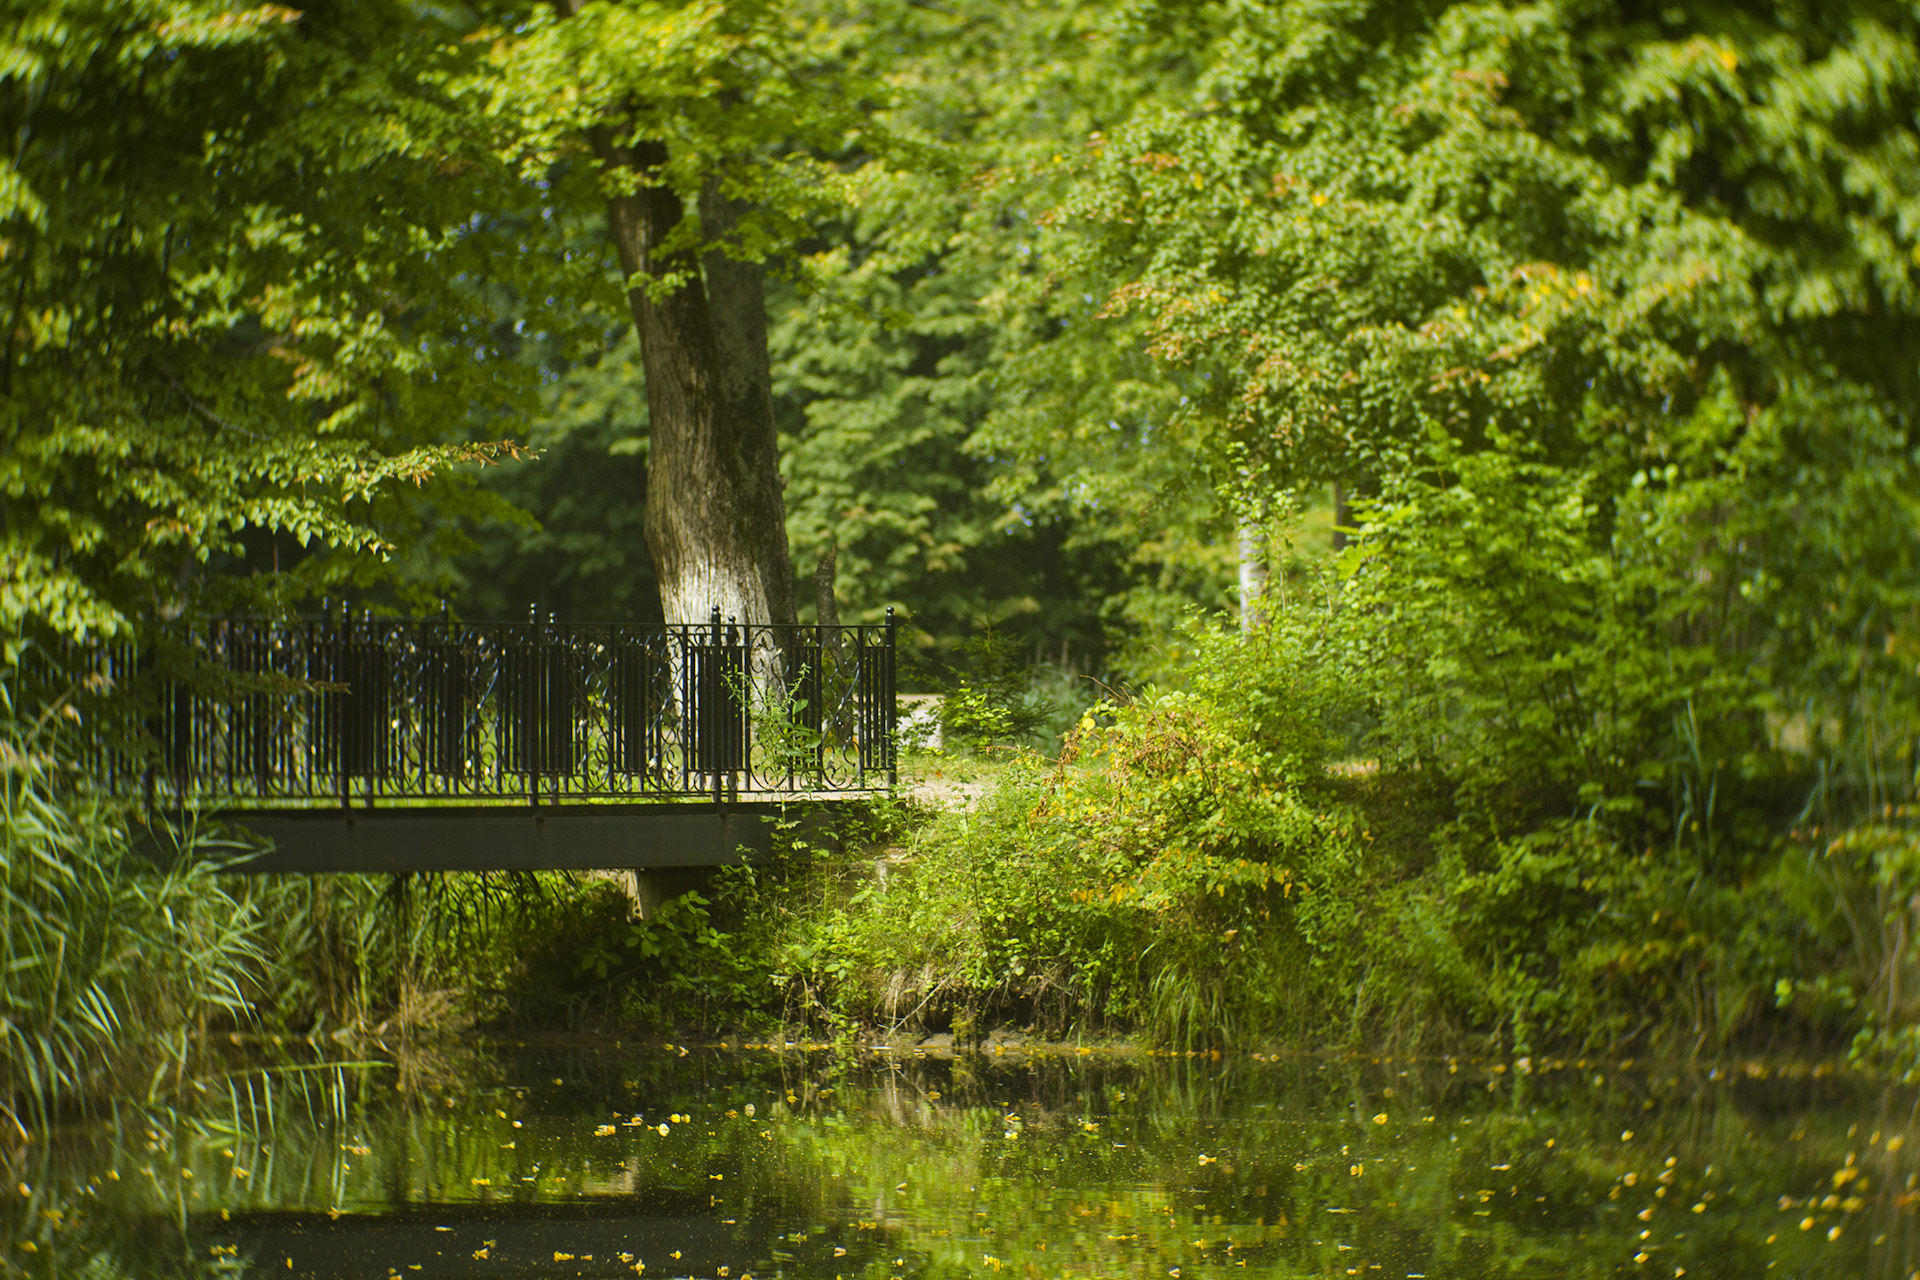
x: 593, y: 1159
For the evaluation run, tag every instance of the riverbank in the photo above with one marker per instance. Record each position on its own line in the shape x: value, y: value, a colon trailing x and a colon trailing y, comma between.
x: 1179, y: 878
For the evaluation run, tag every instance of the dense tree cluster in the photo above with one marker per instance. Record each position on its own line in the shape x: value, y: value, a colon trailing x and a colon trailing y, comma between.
x: 1589, y: 326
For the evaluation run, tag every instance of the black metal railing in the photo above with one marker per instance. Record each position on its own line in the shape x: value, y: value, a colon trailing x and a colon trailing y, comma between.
x: 353, y: 709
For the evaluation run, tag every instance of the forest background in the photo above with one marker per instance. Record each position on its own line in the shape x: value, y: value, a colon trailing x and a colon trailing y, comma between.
x: 1543, y: 375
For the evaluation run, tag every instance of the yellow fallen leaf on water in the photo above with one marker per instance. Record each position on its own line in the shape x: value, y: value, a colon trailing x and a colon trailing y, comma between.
x: 663, y: 1130
x: 1381, y: 1118
x: 603, y: 1131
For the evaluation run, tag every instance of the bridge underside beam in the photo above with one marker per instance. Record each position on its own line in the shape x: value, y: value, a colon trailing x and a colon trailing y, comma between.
x: 485, y: 838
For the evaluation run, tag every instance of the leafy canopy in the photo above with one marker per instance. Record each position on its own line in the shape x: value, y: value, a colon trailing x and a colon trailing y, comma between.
x: 237, y: 247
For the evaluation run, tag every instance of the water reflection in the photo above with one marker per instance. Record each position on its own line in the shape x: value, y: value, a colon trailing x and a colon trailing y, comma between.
x: 586, y: 1158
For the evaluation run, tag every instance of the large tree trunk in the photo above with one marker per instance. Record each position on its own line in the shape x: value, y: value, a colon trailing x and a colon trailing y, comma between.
x: 716, y: 519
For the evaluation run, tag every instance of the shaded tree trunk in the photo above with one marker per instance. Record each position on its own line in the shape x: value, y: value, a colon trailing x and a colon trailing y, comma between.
x: 716, y: 517
x: 825, y: 604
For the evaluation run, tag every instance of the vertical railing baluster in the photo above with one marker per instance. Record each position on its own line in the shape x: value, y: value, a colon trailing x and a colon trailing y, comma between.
x: 690, y: 709
x: 522, y: 710
x: 876, y: 701
x: 710, y: 711
x: 557, y: 682
x: 890, y: 702
x: 443, y: 718
x: 635, y: 686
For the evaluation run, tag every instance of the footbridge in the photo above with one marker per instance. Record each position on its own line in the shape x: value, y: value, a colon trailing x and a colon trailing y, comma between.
x: 361, y: 743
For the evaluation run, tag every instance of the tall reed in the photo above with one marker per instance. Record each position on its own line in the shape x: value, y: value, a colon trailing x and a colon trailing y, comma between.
x: 110, y: 960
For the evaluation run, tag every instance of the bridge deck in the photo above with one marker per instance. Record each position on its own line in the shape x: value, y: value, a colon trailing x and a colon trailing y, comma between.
x: 643, y: 837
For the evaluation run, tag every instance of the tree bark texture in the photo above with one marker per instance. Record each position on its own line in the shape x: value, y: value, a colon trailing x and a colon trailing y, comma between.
x: 716, y: 517
x: 826, y: 604
x: 1252, y: 547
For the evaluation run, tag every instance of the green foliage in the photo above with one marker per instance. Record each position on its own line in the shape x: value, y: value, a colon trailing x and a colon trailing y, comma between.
x: 1606, y: 316
x: 239, y: 254
x: 1603, y: 728
x: 111, y: 962
x: 579, y: 549
x: 981, y: 445
x: 992, y: 701
x: 1214, y: 865
x: 1184, y: 868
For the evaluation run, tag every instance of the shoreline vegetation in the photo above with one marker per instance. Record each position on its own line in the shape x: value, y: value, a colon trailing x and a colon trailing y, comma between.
x: 1471, y: 448
x: 1190, y: 872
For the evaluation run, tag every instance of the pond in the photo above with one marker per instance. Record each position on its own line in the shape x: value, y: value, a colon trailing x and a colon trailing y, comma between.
x: 578, y: 1157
